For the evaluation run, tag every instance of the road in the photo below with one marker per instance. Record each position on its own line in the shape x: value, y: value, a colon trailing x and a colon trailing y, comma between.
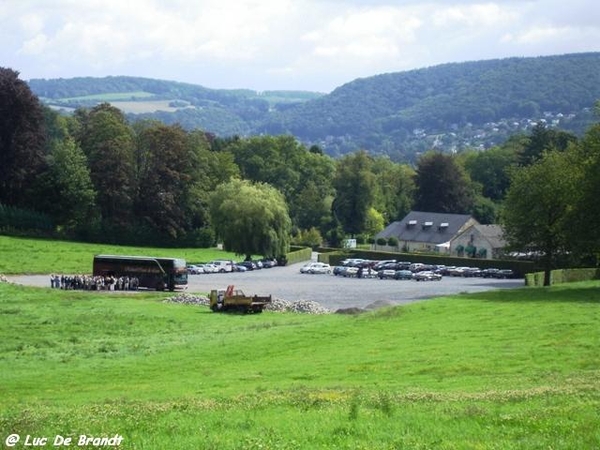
x: 330, y: 291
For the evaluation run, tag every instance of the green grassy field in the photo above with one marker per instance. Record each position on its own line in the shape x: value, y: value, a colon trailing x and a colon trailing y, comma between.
x: 112, y: 96
x: 39, y: 256
x: 496, y: 370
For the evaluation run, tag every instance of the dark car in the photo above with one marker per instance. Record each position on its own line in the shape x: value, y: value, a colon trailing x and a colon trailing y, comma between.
x: 426, y: 275
x: 386, y: 273
x: 489, y: 273
x: 472, y: 272
x: 505, y: 273
x: 403, y: 275
x: 250, y: 265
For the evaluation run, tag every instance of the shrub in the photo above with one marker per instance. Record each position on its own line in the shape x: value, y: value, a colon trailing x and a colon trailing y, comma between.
x: 392, y: 241
x: 381, y: 241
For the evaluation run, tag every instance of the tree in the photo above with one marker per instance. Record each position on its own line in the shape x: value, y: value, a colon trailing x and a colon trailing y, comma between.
x: 68, y: 190
x: 374, y: 222
x: 107, y: 141
x: 491, y: 169
x: 394, y: 188
x: 442, y: 185
x: 544, y: 139
x: 536, y: 209
x: 251, y: 219
x: 166, y: 169
x: 303, y: 176
x: 586, y: 211
x: 22, y: 140
x: 354, y: 187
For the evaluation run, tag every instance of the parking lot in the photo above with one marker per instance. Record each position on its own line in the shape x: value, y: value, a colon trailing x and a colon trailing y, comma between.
x: 334, y: 292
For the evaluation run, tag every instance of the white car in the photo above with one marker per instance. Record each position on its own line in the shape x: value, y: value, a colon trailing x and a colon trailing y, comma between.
x: 316, y: 267
x: 194, y: 270
x: 209, y: 268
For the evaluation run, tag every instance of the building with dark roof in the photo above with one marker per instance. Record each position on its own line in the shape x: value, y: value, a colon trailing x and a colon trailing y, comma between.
x: 425, y: 231
x: 482, y: 241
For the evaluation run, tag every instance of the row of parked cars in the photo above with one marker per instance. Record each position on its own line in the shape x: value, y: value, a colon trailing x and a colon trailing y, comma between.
x: 401, y: 270
x: 225, y: 265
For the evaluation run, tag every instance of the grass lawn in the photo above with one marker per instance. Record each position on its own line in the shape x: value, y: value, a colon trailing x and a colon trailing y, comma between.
x: 41, y: 256
x: 495, y: 370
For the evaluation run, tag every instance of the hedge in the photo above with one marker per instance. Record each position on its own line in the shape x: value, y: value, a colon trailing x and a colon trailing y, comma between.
x: 298, y: 254
x: 562, y: 276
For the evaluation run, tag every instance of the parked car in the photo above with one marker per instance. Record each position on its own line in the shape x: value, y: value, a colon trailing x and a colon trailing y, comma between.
x: 316, y: 268
x: 223, y: 265
x: 472, y: 272
x: 249, y: 265
x: 209, y: 268
x: 386, y: 274
x: 350, y: 272
x: 505, y: 273
x: 403, y: 275
x: 427, y: 275
x: 268, y: 263
x: 239, y: 268
x: 339, y: 270
x: 457, y: 271
x: 489, y: 273
x: 384, y: 264
x: 194, y: 269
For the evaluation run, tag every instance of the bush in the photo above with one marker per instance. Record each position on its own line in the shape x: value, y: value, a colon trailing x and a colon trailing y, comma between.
x: 311, y: 238
x: 381, y: 241
x: 392, y: 241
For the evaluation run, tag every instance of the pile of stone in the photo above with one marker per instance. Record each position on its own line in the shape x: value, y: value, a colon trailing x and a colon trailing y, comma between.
x: 188, y: 299
x: 277, y: 305
x: 301, y: 307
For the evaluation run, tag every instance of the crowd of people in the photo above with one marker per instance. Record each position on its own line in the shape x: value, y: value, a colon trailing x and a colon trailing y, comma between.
x: 94, y: 283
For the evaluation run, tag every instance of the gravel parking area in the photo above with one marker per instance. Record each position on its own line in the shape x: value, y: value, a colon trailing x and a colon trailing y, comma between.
x: 332, y: 292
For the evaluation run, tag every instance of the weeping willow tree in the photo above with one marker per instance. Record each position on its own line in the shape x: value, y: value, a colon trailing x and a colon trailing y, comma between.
x: 251, y: 219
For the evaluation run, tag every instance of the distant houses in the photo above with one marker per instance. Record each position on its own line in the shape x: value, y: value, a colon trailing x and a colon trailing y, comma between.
x: 450, y: 234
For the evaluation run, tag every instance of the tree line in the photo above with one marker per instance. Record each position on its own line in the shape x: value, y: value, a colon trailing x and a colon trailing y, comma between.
x: 96, y: 176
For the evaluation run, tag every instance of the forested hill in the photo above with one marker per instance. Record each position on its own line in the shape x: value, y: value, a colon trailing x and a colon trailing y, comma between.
x: 220, y: 111
x: 449, y: 106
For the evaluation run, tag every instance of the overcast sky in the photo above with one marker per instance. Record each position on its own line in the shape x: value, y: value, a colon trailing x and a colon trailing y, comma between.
x: 281, y: 44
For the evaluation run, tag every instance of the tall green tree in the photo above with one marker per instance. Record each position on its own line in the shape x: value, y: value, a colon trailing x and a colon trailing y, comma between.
x: 165, y: 176
x: 544, y: 139
x: 586, y: 215
x: 442, y: 185
x: 538, y: 205
x: 302, y: 175
x: 251, y: 219
x: 107, y: 140
x: 394, y: 188
x: 68, y: 190
x: 491, y: 169
x: 22, y: 140
x: 354, y: 191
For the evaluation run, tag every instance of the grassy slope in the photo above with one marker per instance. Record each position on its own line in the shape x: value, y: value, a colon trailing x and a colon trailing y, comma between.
x: 39, y: 256
x: 479, y: 371
x: 501, y: 370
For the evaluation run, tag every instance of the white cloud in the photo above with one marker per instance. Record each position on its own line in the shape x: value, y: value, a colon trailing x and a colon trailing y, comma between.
x: 35, y: 46
x: 268, y: 44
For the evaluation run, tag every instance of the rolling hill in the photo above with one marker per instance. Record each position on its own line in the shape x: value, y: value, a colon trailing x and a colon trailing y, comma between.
x: 450, y: 106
